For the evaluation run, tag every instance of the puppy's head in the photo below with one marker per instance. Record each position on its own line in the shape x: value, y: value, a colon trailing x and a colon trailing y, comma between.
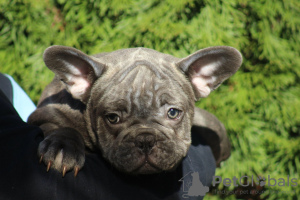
x: 140, y: 103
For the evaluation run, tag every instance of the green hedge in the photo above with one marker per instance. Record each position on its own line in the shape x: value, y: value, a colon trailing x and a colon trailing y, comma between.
x: 259, y: 105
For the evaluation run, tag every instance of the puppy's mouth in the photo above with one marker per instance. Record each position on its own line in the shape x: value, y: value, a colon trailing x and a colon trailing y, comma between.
x: 146, y: 167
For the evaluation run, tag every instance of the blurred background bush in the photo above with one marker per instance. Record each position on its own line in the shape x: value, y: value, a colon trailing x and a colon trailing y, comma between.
x: 259, y: 105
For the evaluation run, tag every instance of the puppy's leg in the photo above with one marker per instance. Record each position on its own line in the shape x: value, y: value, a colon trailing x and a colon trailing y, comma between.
x: 62, y: 149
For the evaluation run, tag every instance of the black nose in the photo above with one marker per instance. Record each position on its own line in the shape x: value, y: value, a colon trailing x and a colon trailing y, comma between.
x: 145, y: 142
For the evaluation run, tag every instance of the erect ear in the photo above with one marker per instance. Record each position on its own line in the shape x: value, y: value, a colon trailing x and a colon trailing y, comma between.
x: 209, y: 67
x: 77, y: 70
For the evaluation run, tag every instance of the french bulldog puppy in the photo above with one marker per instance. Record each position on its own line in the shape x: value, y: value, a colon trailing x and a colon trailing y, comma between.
x: 135, y: 106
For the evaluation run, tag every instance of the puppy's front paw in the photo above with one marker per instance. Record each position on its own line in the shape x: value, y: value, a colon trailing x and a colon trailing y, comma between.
x: 63, y: 150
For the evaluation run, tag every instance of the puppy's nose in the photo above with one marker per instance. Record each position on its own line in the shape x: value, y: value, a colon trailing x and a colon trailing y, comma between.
x: 145, y: 142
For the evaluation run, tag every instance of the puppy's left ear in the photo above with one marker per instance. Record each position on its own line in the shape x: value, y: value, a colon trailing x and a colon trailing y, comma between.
x: 209, y: 67
x: 74, y: 68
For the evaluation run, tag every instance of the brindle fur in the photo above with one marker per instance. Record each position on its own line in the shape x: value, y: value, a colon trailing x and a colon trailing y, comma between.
x: 140, y: 85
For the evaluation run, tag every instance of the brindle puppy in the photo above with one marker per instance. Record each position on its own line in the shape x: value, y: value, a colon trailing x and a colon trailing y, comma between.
x: 134, y: 105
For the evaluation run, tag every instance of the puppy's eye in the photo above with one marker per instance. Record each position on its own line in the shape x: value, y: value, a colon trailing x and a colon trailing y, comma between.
x: 173, y: 113
x: 113, y: 118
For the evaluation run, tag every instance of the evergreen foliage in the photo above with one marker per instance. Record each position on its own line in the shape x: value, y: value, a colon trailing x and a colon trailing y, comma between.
x: 259, y: 105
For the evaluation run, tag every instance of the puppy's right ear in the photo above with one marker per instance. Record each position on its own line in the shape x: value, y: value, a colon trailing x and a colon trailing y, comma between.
x: 76, y: 69
x: 209, y: 67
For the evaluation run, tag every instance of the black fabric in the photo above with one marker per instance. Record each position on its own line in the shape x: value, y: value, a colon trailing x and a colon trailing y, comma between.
x: 6, y: 87
x: 22, y: 177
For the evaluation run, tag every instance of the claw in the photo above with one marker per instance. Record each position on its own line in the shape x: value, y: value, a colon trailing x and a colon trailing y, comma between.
x: 41, y: 159
x: 64, y: 171
x: 48, y: 166
x: 76, y: 170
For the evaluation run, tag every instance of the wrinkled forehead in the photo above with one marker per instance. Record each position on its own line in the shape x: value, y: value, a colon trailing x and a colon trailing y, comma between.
x: 145, y: 86
x: 140, y: 66
x: 145, y: 78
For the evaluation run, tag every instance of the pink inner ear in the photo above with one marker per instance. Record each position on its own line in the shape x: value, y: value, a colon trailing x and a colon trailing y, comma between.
x: 203, y: 76
x: 202, y: 85
x: 78, y: 85
x: 77, y: 82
